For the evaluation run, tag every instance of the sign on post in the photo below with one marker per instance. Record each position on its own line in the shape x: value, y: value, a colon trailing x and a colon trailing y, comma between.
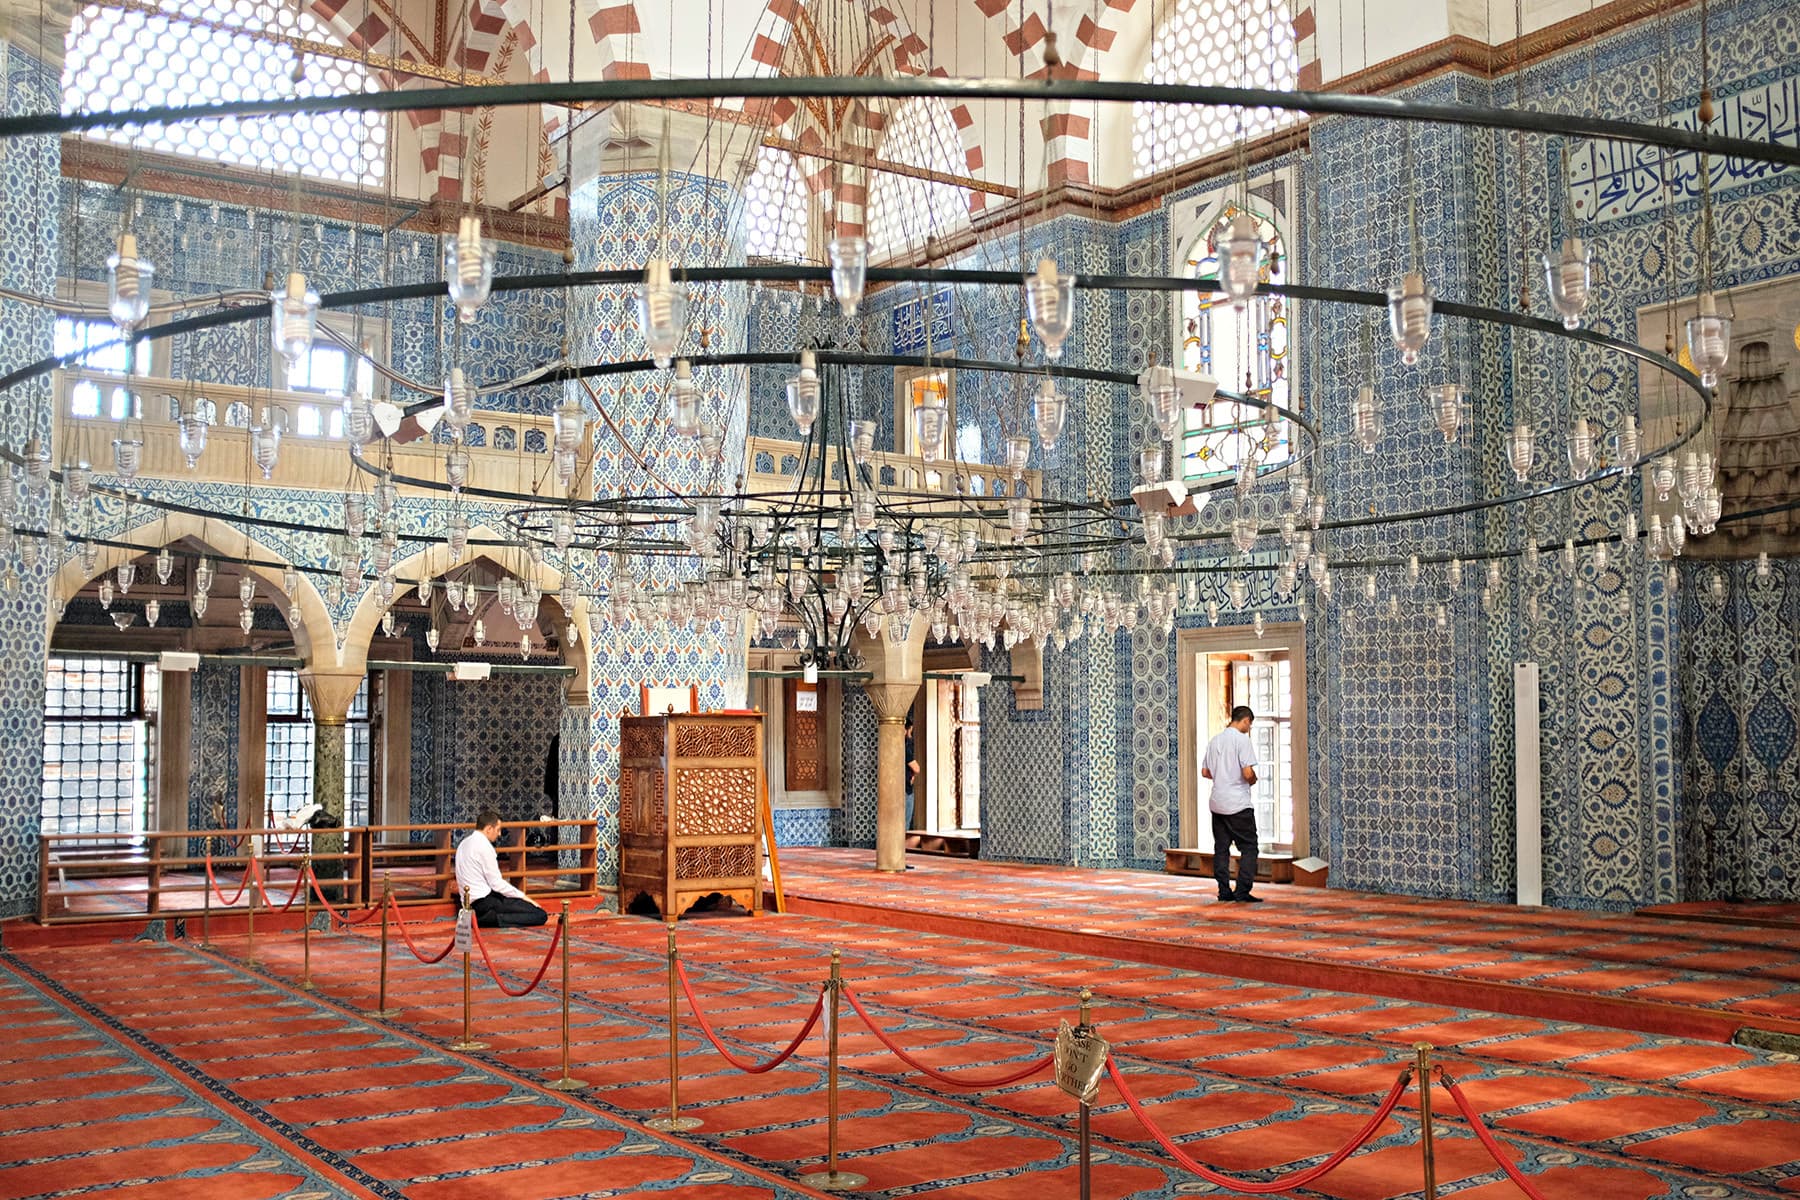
x: 1080, y: 1061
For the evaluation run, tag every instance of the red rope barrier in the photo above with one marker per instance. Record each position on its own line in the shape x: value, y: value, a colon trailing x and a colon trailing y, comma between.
x: 213, y: 882
x: 745, y: 1065
x: 412, y: 946
x: 336, y: 914
x: 542, y: 967
x: 1485, y: 1136
x: 1029, y: 1069
x: 293, y: 892
x: 1285, y: 1183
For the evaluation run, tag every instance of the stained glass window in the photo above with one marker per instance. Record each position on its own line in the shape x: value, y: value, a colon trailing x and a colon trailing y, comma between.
x: 1245, y: 349
x: 1235, y: 43
x: 905, y: 211
x: 209, y: 52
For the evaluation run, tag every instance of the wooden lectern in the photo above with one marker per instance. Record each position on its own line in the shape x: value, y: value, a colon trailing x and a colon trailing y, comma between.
x: 688, y: 790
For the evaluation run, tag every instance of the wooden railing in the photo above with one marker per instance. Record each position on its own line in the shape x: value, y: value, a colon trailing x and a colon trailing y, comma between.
x: 114, y: 876
x: 771, y: 463
x: 506, y: 449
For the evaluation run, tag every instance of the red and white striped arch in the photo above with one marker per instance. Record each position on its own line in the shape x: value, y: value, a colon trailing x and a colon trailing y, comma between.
x: 1068, y: 136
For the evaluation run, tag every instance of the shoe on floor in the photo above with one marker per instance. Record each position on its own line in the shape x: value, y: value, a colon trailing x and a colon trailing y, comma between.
x: 1226, y: 897
x: 1248, y: 899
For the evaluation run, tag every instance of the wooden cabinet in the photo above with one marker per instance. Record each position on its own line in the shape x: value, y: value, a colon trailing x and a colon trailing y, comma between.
x: 689, y: 787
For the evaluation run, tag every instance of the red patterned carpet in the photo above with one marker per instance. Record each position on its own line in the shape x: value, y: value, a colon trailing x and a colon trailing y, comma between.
x: 1649, y: 974
x: 151, y: 1069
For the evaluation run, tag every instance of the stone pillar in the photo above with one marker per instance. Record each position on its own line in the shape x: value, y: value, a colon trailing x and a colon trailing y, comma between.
x: 328, y: 763
x: 617, y: 221
x: 892, y: 703
x: 330, y: 692
x: 896, y: 674
x: 29, y: 188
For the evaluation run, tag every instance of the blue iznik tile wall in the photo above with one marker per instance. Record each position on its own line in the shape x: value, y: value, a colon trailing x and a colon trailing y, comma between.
x: 1411, y: 778
x: 1740, y: 692
x: 483, y: 744
x: 201, y: 248
x: 618, y: 221
x: 29, y: 168
x: 213, y: 769
x: 1402, y: 804
x: 1624, y: 821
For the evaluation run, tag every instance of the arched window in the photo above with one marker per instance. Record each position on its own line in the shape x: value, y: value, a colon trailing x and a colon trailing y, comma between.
x: 776, y: 207
x: 1227, y: 42
x: 1245, y: 349
x: 905, y: 211
x: 210, y: 51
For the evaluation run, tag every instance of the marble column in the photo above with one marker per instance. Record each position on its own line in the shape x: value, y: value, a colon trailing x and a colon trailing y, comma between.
x: 330, y: 693
x: 892, y: 704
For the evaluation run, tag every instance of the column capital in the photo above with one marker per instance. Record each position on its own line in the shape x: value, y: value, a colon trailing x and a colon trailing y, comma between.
x: 330, y: 690
x: 628, y: 139
x: 39, y: 31
x: 892, y: 701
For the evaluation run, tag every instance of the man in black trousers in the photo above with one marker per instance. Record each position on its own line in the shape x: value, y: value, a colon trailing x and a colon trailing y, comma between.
x: 1231, y: 765
x: 495, y: 901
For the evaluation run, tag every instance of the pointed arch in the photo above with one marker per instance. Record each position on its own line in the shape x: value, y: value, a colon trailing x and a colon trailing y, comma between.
x: 314, y: 640
x: 434, y: 561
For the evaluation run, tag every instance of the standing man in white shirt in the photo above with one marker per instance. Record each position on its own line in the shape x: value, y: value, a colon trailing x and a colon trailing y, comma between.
x: 1230, y: 763
x: 495, y: 901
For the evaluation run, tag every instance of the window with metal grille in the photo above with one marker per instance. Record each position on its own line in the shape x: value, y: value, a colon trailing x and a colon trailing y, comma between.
x: 288, y: 750
x: 1229, y: 42
x: 97, y: 746
x: 906, y: 211
x: 1266, y: 686
x: 212, y: 51
x: 356, y: 758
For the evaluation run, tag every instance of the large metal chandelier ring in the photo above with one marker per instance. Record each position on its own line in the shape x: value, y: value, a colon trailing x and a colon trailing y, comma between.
x: 908, y: 86
x: 367, y: 296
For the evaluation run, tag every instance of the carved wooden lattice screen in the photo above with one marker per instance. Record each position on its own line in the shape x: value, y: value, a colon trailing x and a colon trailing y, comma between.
x: 689, y: 788
x: 803, y: 743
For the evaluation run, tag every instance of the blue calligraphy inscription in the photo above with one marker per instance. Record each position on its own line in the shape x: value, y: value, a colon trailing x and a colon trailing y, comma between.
x: 1608, y: 180
x: 910, y: 335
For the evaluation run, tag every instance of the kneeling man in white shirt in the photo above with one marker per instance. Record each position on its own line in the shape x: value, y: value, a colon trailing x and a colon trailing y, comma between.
x: 495, y: 901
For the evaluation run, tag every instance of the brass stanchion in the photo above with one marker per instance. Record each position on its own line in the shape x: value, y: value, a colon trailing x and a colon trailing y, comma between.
x: 1085, y: 1028
x: 565, y: 1084
x: 250, y: 914
x: 1081, y: 1058
x: 304, y: 880
x: 206, y: 910
x: 1422, y: 1071
x: 831, y: 1179
x: 674, y: 1122
x: 382, y: 1011
x: 465, y: 928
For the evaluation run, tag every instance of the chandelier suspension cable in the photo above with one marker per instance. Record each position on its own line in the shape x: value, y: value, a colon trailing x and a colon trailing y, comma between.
x: 1063, y: 529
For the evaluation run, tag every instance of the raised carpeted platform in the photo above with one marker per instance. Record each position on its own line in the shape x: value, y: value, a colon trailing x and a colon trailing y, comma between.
x: 1629, y: 972
x: 184, y: 1073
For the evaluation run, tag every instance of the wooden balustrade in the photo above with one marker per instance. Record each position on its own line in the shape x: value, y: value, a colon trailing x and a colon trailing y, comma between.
x: 507, y: 449
x: 162, y: 873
